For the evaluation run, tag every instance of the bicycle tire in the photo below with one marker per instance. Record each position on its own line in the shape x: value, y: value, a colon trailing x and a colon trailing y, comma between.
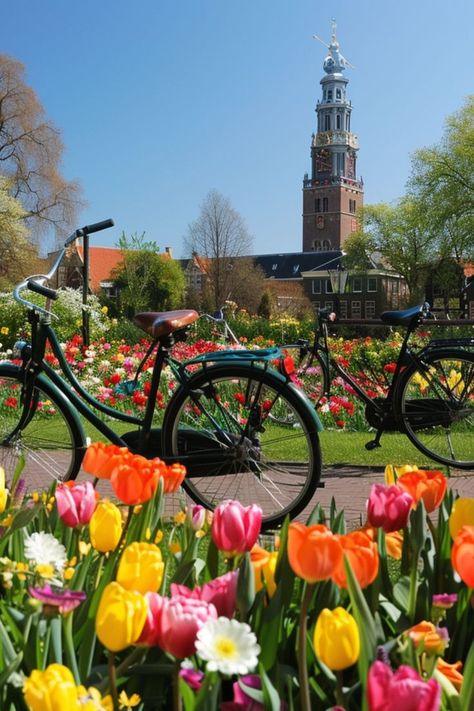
x: 436, y: 407
x: 52, y: 441
x: 204, y: 427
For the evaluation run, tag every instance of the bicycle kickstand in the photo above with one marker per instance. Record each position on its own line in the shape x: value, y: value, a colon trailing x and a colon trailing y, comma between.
x: 374, y: 443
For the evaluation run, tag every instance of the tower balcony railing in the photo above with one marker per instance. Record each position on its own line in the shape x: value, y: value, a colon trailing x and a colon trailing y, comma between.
x: 332, y: 180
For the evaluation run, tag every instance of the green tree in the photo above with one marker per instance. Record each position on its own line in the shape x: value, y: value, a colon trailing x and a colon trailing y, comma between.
x: 148, y: 280
x: 15, y: 249
x: 442, y: 182
x: 30, y: 156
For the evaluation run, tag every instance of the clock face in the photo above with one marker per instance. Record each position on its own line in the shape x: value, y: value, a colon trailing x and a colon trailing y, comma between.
x: 323, y: 161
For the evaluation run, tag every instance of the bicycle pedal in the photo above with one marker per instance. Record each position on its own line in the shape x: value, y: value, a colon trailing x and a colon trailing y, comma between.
x: 373, y: 444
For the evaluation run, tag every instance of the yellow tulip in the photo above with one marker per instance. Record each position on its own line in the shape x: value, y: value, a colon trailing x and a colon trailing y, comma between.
x: 105, y: 527
x: 336, y: 639
x: 141, y: 568
x: 462, y: 514
x: 392, y: 473
x: 120, y: 617
x: 3, y: 491
x: 51, y: 690
x: 264, y: 564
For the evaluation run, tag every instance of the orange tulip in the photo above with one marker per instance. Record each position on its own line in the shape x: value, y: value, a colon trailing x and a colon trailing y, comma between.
x: 430, y: 486
x: 462, y: 555
x: 426, y: 634
x: 394, y: 544
x: 314, y: 552
x: 362, y: 554
x: 100, y: 459
x: 135, y: 482
x: 172, y: 477
x: 451, y: 672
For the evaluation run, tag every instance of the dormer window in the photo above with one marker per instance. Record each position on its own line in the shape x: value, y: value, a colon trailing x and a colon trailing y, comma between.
x: 296, y: 268
x: 274, y: 267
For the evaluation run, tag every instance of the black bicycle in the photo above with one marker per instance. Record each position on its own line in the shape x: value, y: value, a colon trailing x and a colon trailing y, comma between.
x: 218, y: 421
x: 430, y: 397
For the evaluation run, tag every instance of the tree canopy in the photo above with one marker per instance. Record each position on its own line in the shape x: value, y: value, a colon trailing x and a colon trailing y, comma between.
x: 30, y: 156
x: 147, y: 279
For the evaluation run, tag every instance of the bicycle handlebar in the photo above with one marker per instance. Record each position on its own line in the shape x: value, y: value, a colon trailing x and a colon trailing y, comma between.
x: 36, y: 281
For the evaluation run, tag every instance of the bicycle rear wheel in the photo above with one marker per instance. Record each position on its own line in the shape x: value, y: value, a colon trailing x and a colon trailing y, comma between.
x: 219, y: 427
x: 51, y: 441
x: 436, y: 406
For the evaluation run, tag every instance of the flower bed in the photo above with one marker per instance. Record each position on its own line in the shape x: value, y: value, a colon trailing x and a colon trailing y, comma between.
x: 107, y: 605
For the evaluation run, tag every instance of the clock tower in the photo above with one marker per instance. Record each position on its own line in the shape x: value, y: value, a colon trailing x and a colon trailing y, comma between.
x: 332, y: 194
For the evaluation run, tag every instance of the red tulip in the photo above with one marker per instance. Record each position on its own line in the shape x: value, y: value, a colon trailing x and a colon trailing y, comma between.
x: 388, y: 507
x: 76, y: 503
x: 220, y: 592
x: 403, y: 690
x: 235, y: 528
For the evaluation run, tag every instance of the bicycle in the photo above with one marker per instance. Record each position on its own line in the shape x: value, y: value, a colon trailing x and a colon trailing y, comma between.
x: 222, y: 330
x: 216, y: 421
x: 430, y: 397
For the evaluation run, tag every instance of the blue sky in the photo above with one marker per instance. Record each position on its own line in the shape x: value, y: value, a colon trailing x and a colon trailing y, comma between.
x: 161, y: 101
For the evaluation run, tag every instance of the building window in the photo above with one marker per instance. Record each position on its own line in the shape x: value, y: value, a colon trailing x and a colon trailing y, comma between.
x: 296, y: 268
x: 357, y: 285
x: 338, y: 94
x: 274, y: 267
x: 343, y: 309
x: 355, y: 309
x: 324, y: 94
x: 317, y: 245
x: 325, y: 204
x: 328, y: 286
x: 317, y: 205
x: 370, y: 309
x: 352, y: 206
x: 326, y: 245
x: 328, y: 305
x: 372, y: 284
x: 348, y: 122
x: 316, y: 304
x: 329, y: 95
x: 327, y: 122
x: 338, y: 121
x: 316, y: 286
x: 340, y: 163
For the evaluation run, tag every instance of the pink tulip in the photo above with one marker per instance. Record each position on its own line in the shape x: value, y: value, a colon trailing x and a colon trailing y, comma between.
x: 197, y: 516
x: 388, y: 507
x: 402, y: 689
x: 76, y: 503
x: 173, y: 624
x: 192, y: 677
x: 243, y: 702
x: 220, y: 592
x: 235, y: 528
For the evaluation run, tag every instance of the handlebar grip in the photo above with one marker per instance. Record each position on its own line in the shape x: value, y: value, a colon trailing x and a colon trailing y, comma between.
x: 96, y: 227
x: 43, y: 290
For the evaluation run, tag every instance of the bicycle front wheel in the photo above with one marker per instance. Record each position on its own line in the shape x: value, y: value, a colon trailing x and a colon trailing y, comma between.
x: 436, y: 406
x: 220, y: 426
x: 51, y: 442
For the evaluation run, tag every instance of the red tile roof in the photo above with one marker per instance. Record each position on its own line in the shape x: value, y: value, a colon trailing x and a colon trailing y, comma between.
x: 102, y: 261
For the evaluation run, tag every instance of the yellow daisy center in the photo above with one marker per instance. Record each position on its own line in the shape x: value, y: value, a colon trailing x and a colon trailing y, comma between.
x: 226, y: 647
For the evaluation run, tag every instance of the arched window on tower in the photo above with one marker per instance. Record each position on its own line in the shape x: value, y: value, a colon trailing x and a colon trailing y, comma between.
x: 325, y: 204
x: 348, y: 122
x: 327, y: 122
x: 329, y: 95
x: 326, y: 245
x: 338, y: 121
x: 317, y: 245
x: 338, y: 95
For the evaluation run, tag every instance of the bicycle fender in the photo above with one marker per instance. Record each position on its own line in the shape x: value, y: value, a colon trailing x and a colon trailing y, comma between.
x: 235, y: 356
x: 9, y: 369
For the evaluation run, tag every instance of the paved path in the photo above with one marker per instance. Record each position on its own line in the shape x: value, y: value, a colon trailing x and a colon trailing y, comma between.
x: 350, y: 487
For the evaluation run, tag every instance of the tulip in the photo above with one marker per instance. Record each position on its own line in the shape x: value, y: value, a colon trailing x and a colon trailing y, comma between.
x: 336, y: 639
x: 135, y: 482
x: 179, y: 620
x: 101, y: 459
x: 242, y: 701
x: 462, y: 555
x: 76, y: 503
x: 451, y: 672
x: 314, y: 552
x: 62, y: 601
x: 264, y: 564
x: 53, y: 689
x: 3, y: 491
x: 392, y: 473
x: 149, y: 633
x: 388, y: 507
x: 428, y: 486
x: 197, y: 517
x: 235, y: 528
x: 173, y: 476
x: 362, y: 554
x: 141, y: 567
x: 105, y: 527
x: 462, y: 514
x: 394, y: 544
x: 403, y: 689
x: 120, y: 617
x: 433, y: 640
x: 220, y: 592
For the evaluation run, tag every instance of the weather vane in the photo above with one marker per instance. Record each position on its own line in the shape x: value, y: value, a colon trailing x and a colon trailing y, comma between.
x: 333, y: 47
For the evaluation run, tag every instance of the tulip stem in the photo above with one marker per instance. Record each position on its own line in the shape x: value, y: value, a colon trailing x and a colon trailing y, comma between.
x: 177, y: 706
x: 113, y: 680
x: 302, y: 664
x: 339, y: 690
x: 124, y: 529
x: 411, y: 608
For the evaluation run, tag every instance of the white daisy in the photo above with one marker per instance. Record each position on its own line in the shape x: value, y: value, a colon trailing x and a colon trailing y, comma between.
x: 44, y: 549
x: 228, y: 646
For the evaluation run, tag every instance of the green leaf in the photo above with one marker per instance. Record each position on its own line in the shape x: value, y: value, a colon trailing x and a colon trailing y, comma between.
x: 187, y: 696
x: 401, y: 591
x: 12, y: 667
x: 245, y: 587
x: 269, y: 633
x: 467, y: 688
x: 212, y: 561
x: 271, y: 698
x: 183, y: 572
x: 418, y: 530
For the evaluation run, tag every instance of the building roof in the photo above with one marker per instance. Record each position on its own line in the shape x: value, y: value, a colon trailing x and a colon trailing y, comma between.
x: 102, y: 261
x: 291, y: 264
